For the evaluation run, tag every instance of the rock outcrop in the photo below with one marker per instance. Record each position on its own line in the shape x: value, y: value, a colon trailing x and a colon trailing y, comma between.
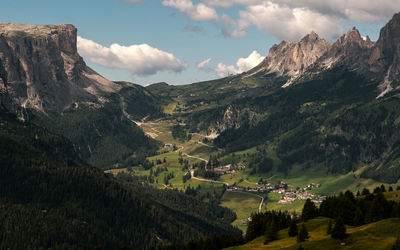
x: 6, y: 103
x: 293, y: 58
x: 350, y: 49
x: 44, y: 70
x: 385, y: 57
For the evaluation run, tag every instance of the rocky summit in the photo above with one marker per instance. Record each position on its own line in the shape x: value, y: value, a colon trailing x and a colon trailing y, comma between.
x: 44, y: 70
x: 293, y: 58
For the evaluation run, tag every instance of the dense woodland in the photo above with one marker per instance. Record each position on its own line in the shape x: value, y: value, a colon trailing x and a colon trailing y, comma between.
x: 103, y: 135
x: 49, y: 197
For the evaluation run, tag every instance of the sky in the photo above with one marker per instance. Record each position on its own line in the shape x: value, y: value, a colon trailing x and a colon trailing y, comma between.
x: 186, y: 41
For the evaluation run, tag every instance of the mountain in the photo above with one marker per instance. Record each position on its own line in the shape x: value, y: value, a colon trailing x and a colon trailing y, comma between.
x: 44, y: 69
x: 48, y: 79
x: 293, y: 58
x: 385, y: 57
x: 317, y: 105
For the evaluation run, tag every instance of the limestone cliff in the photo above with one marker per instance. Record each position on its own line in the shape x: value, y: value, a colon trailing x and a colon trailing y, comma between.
x: 44, y: 70
x: 385, y: 57
x: 293, y: 58
x: 350, y: 49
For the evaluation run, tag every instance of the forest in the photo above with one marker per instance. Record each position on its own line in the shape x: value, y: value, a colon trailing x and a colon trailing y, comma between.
x: 51, y: 198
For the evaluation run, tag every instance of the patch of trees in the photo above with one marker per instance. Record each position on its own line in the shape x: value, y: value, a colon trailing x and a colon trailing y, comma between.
x: 357, y: 211
x: 50, y: 198
x: 178, y: 132
x: 259, y: 162
x: 103, y: 135
x: 269, y: 221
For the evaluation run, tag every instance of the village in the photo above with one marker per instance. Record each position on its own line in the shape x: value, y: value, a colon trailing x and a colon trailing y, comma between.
x: 289, y: 195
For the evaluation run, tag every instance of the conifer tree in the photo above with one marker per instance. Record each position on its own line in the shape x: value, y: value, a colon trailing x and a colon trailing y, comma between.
x: 329, y: 229
x: 339, y: 230
x: 309, y: 210
x: 303, y: 234
x: 293, y: 228
x: 365, y: 192
x: 271, y: 233
x: 358, y: 217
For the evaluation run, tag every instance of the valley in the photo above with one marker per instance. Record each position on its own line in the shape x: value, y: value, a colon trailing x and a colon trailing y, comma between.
x: 311, y: 134
x: 242, y: 190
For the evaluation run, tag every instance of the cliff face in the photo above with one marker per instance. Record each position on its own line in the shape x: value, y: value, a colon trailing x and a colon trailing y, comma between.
x: 385, y: 56
x: 44, y: 69
x: 6, y: 103
x: 350, y: 49
x: 293, y: 58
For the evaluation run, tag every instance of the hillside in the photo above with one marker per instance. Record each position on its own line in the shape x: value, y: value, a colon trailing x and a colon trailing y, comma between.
x: 378, y: 235
x: 328, y: 106
x: 50, y: 198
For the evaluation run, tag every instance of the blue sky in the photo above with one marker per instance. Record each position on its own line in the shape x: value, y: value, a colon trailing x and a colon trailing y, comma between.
x: 165, y: 40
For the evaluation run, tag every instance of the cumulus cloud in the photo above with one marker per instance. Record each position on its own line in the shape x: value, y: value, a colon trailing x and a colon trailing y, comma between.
x: 242, y: 65
x: 286, y: 23
x: 139, y: 59
x: 203, y: 64
x: 197, y: 12
x: 132, y: 1
x: 287, y: 19
x: 229, y: 3
x: 362, y: 11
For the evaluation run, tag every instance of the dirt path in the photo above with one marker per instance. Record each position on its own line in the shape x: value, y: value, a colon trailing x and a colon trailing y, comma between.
x: 195, y: 157
x: 206, y: 180
x: 259, y: 196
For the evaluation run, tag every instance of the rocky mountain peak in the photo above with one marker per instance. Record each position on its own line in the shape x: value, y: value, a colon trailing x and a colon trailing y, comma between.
x: 292, y: 58
x: 385, y: 56
x: 353, y: 39
x: 44, y: 69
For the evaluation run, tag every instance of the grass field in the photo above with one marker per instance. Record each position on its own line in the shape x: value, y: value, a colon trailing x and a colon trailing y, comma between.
x: 243, y: 204
x: 378, y: 235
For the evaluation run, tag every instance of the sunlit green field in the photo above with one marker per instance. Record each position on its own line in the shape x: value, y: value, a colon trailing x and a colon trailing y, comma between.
x: 243, y: 204
x: 378, y: 235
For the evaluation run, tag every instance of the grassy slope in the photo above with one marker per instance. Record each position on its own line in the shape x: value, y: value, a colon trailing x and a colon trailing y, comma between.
x: 243, y: 204
x: 378, y: 235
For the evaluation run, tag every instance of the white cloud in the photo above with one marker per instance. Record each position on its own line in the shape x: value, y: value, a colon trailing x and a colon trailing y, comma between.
x: 242, y: 65
x: 287, y: 19
x: 229, y: 3
x: 225, y: 70
x: 199, y: 12
x: 250, y: 62
x: 287, y: 23
x: 139, y: 59
x: 362, y: 10
x: 132, y: 1
x: 203, y: 64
